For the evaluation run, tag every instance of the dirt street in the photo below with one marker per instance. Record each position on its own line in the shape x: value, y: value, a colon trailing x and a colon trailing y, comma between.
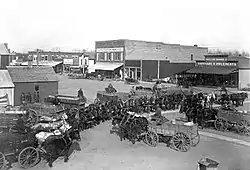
x: 103, y: 151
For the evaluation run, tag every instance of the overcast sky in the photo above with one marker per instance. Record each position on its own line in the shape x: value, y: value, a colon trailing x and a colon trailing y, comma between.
x: 70, y: 24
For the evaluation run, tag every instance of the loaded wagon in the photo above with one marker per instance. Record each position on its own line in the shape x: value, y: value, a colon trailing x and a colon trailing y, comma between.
x: 73, y: 103
x: 179, y: 135
x: 231, y: 118
x: 10, y: 115
x: 12, y: 149
x: 103, y: 96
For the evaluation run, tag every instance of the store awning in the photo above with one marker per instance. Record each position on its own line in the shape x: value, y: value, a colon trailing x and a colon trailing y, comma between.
x: 107, y: 66
x: 212, y: 70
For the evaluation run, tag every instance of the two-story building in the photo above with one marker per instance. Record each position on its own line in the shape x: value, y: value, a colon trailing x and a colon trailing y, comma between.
x: 144, y: 60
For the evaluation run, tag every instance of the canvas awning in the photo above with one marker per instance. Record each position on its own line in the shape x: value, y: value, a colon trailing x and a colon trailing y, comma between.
x: 107, y: 66
x: 212, y: 70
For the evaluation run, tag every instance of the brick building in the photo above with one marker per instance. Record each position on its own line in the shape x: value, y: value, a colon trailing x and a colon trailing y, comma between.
x: 145, y: 60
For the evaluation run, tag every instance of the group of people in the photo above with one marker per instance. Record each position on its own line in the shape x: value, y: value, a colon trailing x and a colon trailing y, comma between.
x: 27, y: 98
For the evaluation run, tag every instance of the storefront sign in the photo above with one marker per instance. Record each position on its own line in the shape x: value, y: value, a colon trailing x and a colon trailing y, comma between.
x: 68, y: 61
x: 217, y: 64
x: 109, y: 50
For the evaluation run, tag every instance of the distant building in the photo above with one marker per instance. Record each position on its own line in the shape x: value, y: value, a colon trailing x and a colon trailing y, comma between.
x: 4, y: 56
x: 52, y: 56
x: 144, y: 60
x: 221, y: 69
x: 39, y: 82
x: 79, y: 60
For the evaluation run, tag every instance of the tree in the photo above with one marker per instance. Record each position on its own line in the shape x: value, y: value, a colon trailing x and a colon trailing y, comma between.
x: 230, y: 52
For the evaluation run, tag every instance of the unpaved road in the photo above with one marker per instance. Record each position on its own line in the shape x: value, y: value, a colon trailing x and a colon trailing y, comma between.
x: 103, y: 151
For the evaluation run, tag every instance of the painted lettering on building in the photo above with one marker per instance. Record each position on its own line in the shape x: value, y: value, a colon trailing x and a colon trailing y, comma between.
x: 109, y: 50
x: 217, y: 64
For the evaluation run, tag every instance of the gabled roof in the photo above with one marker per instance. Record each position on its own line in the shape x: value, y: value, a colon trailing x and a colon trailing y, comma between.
x: 3, y: 49
x: 5, y: 79
x: 33, y: 74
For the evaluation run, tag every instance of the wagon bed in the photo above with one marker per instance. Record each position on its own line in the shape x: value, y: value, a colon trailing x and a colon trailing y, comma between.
x: 238, y: 119
x: 182, y: 136
x: 103, y: 96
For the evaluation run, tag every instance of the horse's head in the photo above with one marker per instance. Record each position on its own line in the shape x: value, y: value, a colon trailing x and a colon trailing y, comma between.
x: 76, y: 146
x: 75, y: 134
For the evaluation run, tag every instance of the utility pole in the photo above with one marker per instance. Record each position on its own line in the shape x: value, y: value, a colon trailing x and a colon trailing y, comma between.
x: 37, y: 57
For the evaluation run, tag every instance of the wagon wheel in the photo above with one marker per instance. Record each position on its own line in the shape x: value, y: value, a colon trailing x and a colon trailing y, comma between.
x: 221, y: 124
x: 28, y: 157
x: 2, y: 161
x: 181, y: 142
x: 195, y: 140
x: 244, y: 127
x: 151, y: 138
x: 32, y: 117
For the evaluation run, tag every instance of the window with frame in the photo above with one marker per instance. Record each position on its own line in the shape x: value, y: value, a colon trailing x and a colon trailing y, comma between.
x: 192, y: 57
x: 42, y: 57
x: 101, y: 56
x: 46, y: 57
x: 117, y: 56
x: 109, y: 58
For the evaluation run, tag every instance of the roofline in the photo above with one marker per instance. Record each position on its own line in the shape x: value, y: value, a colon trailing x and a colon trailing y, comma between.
x: 36, y: 81
x: 7, y: 87
x: 155, y: 42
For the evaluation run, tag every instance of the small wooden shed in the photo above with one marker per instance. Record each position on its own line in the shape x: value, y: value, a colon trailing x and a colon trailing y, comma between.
x: 37, y: 82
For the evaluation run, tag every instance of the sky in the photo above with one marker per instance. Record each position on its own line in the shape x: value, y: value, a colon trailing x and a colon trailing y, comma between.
x: 77, y: 24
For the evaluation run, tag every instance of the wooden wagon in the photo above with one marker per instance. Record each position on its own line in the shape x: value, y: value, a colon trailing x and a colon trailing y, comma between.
x: 233, y: 118
x: 179, y: 135
x: 12, y: 150
x: 103, y: 96
x: 131, y: 81
x: 9, y: 116
x: 73, y: 103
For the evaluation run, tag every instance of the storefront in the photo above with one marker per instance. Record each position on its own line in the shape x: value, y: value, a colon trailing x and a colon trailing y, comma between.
x: 215, y: 70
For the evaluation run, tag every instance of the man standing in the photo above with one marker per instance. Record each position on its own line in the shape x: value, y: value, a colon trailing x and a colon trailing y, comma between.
x: 80, y: 93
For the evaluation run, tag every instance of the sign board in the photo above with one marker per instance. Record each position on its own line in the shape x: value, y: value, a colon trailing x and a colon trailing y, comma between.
x: 68, y: 61
x: 109, y: 50
x: 232, y: 64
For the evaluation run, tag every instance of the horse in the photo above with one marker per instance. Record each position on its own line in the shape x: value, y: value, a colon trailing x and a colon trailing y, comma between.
x: 64, y: 145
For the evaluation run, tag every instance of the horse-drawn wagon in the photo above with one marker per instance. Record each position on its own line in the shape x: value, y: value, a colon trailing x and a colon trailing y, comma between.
x: 9, y: 116
x: 72, y: 103
x: 179, y: 135
x: 131, y: 81
x: 231, y: 118
x: 11, y: 149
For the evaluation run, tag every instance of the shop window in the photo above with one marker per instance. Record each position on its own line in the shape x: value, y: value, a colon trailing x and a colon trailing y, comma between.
x: 101, y: 56
x: 117, y: 56
x: 192, y: 57
x: 109, y: 57
x: 42, y: 57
